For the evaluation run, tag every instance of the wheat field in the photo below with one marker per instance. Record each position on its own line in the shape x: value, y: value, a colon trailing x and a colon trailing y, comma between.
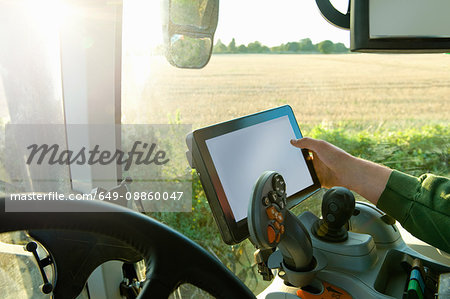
x: 357, y: 89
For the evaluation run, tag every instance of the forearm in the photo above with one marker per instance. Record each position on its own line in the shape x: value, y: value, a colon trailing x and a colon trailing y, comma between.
x: 421, y: 205
x: 335, y: 167
x: 366, y: 178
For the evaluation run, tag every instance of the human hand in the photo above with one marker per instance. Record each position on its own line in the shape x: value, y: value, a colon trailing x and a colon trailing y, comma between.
x: 335, y: 167
x: 330, y: 162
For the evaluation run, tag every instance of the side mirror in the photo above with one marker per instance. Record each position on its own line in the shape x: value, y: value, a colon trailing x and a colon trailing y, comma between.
x: 188, y: 30
x: 402, y: 26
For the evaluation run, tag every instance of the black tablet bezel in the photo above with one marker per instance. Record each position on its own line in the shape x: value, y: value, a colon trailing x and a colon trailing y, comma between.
x: 234, y: 232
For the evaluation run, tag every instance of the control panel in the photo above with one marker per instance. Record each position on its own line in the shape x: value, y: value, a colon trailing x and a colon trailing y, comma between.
x: 353, y: 251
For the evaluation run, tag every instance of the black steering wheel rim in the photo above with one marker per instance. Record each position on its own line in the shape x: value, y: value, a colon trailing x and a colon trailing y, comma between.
x: 173, y: 258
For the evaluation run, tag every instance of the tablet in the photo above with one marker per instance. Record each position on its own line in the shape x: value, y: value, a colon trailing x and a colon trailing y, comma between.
x: 230, y: 157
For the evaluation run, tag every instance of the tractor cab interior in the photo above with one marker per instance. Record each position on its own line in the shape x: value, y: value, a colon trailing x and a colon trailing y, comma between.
x: 141, y: 157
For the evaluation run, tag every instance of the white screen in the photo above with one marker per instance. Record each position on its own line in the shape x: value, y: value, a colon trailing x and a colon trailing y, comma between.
x: 409, y: 18
x: 241, y: 156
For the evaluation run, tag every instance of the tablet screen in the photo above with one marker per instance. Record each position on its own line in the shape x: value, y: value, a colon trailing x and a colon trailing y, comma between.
x: 241, y: 156
x: 229, y: 158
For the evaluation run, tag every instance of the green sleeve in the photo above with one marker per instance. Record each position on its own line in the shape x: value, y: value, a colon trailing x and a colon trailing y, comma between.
x: 421, y: 205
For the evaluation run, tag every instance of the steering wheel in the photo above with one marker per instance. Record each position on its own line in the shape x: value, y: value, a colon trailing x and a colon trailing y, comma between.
x: 172, y: 259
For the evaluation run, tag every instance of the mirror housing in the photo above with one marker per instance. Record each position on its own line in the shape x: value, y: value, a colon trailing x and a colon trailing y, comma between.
x: 334, y: 16
x: 385, y: 26
x: 188, y: 31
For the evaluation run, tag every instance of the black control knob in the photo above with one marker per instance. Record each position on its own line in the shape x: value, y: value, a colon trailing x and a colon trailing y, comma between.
x: 278, y: 184
x: 338, y: 205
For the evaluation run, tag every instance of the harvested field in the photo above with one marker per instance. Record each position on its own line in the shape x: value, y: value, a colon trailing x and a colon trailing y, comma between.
x: 361, y: 90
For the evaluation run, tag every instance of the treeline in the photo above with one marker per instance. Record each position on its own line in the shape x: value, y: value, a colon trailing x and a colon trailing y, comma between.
x: 302, y: 46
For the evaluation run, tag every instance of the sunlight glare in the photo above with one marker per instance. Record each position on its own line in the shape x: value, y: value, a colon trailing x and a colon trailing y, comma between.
x: 142, y: 39
x: 48, y: 14
x: 142, y: 29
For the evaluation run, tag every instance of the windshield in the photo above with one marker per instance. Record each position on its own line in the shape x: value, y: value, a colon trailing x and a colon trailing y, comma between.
x: 389, y: 108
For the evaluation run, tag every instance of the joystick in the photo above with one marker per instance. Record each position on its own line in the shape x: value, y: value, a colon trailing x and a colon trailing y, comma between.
x: 272, y: 225
x: 338, y: 205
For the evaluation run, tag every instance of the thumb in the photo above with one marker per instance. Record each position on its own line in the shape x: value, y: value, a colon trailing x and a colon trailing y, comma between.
x: 305, y: 142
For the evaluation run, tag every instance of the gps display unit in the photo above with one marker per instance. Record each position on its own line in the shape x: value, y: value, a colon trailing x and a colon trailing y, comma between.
x: 229, y: 157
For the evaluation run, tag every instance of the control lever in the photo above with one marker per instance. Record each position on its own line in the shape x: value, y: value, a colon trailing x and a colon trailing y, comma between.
x: 338, y: 205
x: 272, y: 225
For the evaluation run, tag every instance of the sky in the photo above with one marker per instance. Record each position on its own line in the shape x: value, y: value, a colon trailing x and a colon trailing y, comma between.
x: 271, y: 22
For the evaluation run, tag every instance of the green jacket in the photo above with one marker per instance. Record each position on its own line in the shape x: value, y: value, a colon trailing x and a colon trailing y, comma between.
x: 421, y: 205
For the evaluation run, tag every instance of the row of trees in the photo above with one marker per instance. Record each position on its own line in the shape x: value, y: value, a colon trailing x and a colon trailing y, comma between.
x: 302, y: 46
